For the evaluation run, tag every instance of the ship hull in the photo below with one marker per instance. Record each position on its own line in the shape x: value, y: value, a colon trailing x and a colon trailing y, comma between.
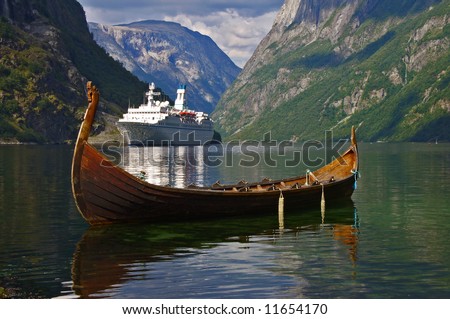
x: 159, y: 134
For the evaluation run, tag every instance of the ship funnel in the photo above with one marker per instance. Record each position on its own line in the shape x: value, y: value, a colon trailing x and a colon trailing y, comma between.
x: 181, y: 99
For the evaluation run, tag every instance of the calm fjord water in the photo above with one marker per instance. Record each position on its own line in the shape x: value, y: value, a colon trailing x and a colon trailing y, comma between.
x: 390, y: 241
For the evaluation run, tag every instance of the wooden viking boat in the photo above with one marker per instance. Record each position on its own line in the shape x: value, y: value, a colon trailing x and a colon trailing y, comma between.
x: 105, y: 193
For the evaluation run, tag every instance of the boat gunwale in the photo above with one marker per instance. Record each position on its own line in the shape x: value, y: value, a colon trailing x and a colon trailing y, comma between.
x: 224, y: 189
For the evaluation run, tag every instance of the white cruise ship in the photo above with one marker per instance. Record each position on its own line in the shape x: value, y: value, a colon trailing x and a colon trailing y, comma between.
x: 158, y: 123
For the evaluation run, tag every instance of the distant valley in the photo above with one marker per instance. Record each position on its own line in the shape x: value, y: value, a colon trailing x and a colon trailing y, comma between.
x: 169, y: 55
x: 47, y: 54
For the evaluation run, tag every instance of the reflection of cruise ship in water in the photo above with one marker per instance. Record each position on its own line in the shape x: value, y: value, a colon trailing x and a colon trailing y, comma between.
x: 158, y: 123
x: 179, y: 166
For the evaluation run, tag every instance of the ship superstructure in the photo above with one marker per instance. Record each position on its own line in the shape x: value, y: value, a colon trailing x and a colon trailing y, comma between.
x: 158, y: 123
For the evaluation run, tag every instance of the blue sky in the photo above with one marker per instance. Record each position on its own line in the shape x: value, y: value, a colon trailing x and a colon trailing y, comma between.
x: 236, y: 26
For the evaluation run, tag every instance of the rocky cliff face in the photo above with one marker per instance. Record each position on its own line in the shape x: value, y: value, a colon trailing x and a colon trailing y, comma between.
x: 330, y: 64
x: 168, y: 54
x: 11, y: 10
x: 46, y: 57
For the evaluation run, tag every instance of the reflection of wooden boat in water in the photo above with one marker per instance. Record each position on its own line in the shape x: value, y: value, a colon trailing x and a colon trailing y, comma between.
x: 105, y: 193
x: 113, y: 260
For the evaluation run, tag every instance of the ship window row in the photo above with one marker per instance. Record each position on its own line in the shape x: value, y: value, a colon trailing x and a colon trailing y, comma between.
x: 144, y: 117
x: 138, y: 118
x: 145, y: 112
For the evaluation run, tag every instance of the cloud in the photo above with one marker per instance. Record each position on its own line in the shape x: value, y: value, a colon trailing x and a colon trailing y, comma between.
x: 237, y: 26
x: 237, y: 36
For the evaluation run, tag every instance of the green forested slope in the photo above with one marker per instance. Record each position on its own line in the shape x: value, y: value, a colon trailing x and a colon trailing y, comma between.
x: 46, y: 56
x: 387, y: 72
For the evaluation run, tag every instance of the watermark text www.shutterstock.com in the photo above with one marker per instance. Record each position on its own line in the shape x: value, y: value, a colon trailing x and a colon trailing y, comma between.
x: 248, y: 153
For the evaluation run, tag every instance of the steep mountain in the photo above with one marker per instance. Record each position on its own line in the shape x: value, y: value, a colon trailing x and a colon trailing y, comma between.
x: 46, y: 57
x: 328, y: 64
x: 168, y: 54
